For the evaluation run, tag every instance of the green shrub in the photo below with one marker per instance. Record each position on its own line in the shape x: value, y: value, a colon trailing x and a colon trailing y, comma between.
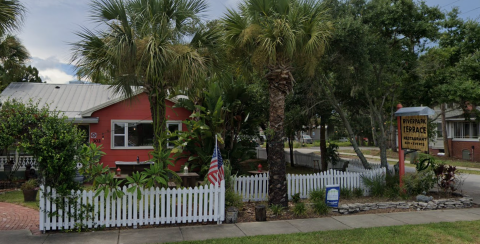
x: 277, y: 209
x: 300, y: 209
x: 376, y: 184
x: 358, y: 192
x: 296, y: 198
x: 317, y: 195
x: 346, y: 193
x: 233, y: 199
x: 31, y: 184
x: 419, y: 182
x: 320, y: 207
x: 391, y: 193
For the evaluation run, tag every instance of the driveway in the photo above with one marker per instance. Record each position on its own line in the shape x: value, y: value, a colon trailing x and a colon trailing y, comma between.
x: 15, y: 217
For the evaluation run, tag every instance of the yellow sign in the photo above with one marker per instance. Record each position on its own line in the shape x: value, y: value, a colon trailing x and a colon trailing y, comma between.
x: 414, y: 133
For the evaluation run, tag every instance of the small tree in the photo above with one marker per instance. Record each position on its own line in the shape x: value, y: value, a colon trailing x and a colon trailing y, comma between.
x: 48, y: 136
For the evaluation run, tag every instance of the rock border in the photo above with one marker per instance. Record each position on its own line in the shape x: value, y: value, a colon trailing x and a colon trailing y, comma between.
x: 447, y: 203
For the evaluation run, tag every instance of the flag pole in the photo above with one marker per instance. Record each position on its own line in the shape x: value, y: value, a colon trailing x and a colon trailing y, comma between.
x: 216, y: 151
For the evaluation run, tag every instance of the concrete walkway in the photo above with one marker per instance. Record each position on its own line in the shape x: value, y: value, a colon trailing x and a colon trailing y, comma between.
x: 204, y: 232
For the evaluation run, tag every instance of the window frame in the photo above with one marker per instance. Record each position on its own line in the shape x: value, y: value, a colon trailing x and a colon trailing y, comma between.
x: 460, y: 125
x: 125, y: 133
x: 179, y: 123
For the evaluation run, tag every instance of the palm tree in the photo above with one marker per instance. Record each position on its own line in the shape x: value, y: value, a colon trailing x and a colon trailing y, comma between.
x: 144, y: 45
x: 13, y: 55
x: 11, y: 15
x: 274, y: 37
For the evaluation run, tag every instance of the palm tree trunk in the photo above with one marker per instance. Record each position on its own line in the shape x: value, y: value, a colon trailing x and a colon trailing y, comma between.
x: 280, y: 83
x: 158, y: 110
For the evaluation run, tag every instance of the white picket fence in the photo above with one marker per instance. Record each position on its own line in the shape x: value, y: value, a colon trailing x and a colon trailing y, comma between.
x: 255, y: 188
x: 156, y: 206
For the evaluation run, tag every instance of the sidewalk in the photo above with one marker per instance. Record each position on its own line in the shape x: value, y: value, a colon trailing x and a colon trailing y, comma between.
x: 203, y: 232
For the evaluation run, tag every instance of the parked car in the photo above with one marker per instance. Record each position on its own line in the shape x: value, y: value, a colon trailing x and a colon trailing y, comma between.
x: 306, y: 139
x: 343, y: 139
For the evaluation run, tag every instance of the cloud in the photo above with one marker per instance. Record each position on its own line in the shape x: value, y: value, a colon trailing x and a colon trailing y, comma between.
x: 52, y: 70
x: 55, y: 76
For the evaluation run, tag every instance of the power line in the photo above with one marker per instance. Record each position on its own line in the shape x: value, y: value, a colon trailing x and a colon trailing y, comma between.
x: 450, y: 3
x: 471, y: 10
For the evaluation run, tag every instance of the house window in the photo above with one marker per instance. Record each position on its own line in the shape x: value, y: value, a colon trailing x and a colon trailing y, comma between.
x: 465, y: 130
x: 439, y: 130
x: 173, y: 126
x: 138, y: 135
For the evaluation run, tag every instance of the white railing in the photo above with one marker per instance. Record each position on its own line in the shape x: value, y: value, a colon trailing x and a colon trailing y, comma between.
x: 355, y: 165
x: 255, y: 188
x: 22, y: 161
x: 156, y: 206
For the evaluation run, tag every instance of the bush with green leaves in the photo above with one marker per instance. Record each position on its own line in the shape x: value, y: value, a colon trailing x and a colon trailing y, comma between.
x: 233, y: 199
x: 376, y: 184
x: 419, y: 182
x: 346, y: 193
x: 89, y: 157
x: 358, y: 192
x: 320, y: 207
x: 318, y: 195
x: 277, y: 209
x: 46, y: 135
x: 300, y: 209
x: 107, y: 183
x: 296, y: 198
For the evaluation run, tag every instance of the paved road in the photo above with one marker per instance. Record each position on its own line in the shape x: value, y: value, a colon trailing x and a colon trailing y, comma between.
x: 471, y: 187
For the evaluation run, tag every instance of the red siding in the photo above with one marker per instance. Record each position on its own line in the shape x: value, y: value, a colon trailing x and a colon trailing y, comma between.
x: 139, y: 110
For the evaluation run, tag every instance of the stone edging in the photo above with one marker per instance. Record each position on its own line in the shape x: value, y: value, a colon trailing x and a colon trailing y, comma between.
x: 450, y: 203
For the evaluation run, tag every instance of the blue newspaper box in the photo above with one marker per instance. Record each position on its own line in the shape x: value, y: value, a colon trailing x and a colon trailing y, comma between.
x: 333, y: 194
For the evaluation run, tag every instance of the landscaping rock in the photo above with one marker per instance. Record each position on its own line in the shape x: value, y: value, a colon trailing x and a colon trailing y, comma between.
x: 423, y: 198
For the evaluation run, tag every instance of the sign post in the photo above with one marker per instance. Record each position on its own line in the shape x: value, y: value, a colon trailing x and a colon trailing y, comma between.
x: 401, y: 156
x: 412, y: 132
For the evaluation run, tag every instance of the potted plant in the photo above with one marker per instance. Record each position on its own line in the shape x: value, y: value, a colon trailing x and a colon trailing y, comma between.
x: 30, y: 190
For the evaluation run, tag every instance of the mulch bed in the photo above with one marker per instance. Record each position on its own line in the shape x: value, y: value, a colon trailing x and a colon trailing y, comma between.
x: 247, y: 212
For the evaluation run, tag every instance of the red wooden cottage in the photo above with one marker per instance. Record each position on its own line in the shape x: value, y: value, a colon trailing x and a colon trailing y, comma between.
x: 123, y: 126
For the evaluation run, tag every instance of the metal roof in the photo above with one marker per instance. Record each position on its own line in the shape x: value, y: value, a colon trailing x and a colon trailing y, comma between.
x: 412, y: 111
x: 72, y: 99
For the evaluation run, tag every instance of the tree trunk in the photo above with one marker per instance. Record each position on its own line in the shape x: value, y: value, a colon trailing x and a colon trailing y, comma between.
x: 381, y: 138
x: 333, y: 101
x: 323, y: 144
x: 280, y: 83
x: 446, y: 148
x: 393, y: 139
x: 290, y: 146
x: 157, y: 108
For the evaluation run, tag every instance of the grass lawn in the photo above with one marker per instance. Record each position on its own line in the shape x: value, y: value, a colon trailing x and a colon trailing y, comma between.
x: 456, y: 232
x: 16, y: 197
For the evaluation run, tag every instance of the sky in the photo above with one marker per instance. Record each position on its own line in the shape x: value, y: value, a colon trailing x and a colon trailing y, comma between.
x: 50, y: 27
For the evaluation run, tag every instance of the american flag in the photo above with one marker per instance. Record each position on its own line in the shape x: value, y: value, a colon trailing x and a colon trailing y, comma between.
x: 215, y: 173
